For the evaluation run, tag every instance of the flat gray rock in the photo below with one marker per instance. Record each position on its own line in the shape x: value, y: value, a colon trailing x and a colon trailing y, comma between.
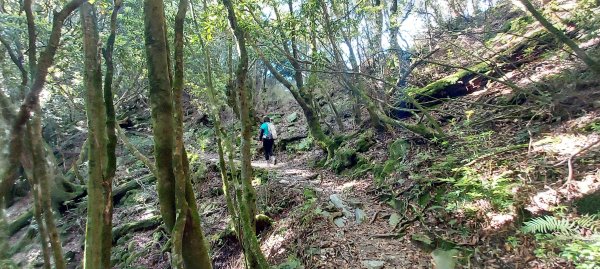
x: 337, y: 201
x: 360, y: 215
x: 373, y: 264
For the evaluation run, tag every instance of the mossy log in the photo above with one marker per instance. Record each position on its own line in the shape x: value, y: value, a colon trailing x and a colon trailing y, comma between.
x: 131, y: 227
x: 282, y: 143
x: 120, y: 191
x: 25, y: 240
x: 21, y: 221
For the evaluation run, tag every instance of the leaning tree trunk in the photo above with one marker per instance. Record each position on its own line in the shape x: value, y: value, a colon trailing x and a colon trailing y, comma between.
x: 593, y: 64
x: 40, y: 172
x: 32, y: 99
x: 221, y: 137
x: 176, y: 197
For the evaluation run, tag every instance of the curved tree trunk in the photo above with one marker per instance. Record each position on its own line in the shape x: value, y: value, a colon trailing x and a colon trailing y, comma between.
x: 176, y: 197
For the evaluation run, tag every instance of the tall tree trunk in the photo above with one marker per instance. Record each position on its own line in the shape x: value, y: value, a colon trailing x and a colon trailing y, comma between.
x: 111, y: 143
x: 99, y: 185
x: 176, y: 197
x: 248, y: 203
x: 228, y: 181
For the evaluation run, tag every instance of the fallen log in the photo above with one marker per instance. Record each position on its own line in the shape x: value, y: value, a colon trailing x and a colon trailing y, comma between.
x: 134, y: 183
x: 474, y: 78
x: 131, y: 227
x: 21, y: 221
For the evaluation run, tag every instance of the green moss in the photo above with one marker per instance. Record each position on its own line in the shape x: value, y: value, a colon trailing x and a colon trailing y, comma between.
x: 439, y: 84
x: 518, y: 25
x: 365, y: 141
x: 344, y: 158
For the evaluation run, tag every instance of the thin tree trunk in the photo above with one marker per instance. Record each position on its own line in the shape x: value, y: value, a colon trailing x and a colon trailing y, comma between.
x: 593, y: 64
x: 82, y: 155
x: 248, y: 203
x: 40, y: 172
x: 37, y: 203
x: 131, y: 148
x: 228, y: 186
x: 111, y: 143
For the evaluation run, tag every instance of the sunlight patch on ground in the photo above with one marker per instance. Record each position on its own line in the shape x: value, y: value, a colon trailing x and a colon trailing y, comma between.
x: 543, y: 201
x: 273, y: 245
x: 347, y: 186
x: 564, y: 145
x: 499, y: 220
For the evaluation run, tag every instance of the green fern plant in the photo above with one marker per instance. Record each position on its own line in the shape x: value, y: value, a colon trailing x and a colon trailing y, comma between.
x: 552, y: 224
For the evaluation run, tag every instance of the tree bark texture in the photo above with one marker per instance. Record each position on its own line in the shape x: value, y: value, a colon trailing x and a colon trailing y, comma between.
x: 99, y: 208
x: 176, y: 197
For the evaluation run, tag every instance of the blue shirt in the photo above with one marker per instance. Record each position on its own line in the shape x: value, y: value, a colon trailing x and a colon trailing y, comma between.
x: 264, y: 128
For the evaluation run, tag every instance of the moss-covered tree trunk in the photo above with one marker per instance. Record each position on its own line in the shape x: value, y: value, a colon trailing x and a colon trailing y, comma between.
x: 42, y: 175
x: 37, y: 201
x: 99, y: 208
x: 177, y: 200
x: 247, y: 203
x: 111, y: 142
x: 221, y: 136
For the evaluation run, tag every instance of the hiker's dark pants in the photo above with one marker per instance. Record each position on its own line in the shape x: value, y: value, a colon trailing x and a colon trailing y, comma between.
x: 268, y: 148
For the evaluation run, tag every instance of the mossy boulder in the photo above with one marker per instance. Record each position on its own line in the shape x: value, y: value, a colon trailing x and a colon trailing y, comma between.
x: 397, y: 151
x: 365, y: 141
x: 344, y: 158
x: 347, y: 155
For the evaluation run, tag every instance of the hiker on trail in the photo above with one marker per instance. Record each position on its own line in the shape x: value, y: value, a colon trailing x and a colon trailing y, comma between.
x: 268, y: 135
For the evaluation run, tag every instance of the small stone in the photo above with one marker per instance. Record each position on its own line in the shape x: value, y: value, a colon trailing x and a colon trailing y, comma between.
x: 373, y: 264
x: 337, y: 202
x: 292, y: 117
x: 596, y: 104
x: 339, y: 222
x: 360, y: 215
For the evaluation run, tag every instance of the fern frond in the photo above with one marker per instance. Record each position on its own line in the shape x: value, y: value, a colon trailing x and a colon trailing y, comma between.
x: 549, y: 224
x: 590, y: 222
